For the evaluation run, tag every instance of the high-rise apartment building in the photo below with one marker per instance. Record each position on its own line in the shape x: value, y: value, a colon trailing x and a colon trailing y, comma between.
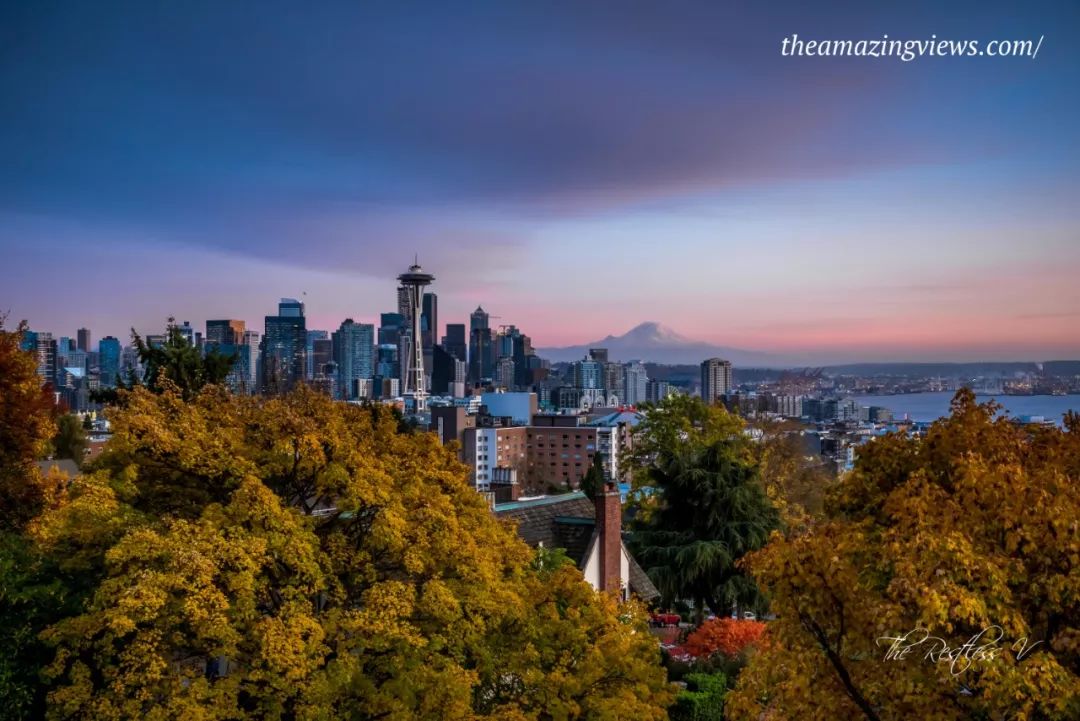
x: 44, y: 347
x: 354, y: 355
x: 716, y: 379
x: 588, y: 374
x: 635, y: 383
x: 504, y: 372
x: 284, y: 348
x: 614, y: 380
x: 656, y: 391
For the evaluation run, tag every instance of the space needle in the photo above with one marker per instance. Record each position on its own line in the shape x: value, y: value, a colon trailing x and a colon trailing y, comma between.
x: 414, y: 281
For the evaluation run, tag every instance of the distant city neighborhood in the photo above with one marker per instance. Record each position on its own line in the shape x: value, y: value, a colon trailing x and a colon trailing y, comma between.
x: 524, y: 424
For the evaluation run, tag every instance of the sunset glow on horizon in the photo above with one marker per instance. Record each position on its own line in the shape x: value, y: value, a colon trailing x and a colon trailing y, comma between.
x: 574, y: 172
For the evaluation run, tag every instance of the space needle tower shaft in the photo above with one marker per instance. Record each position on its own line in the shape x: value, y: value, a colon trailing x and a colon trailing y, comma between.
x: 414, y: 281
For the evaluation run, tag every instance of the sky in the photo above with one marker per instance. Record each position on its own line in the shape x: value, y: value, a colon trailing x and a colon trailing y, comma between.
x: 576, y: 168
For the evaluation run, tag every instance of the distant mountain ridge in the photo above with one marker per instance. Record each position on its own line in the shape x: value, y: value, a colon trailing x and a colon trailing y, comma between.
x: 657, y: 343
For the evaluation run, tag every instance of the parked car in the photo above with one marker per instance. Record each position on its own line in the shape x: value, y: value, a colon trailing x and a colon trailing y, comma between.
x: 665, y: 619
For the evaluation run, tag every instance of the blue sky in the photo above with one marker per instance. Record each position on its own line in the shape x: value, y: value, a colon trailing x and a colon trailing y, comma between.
x: 575, y: 169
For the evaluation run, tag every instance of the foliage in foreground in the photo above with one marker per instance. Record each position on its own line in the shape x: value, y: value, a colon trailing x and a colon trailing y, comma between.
x: 703, y: 699
x: 296, y: 558
x: 728, y: 636
x: 973, y: 527
x: 26, y: 425
x: 706, y: 508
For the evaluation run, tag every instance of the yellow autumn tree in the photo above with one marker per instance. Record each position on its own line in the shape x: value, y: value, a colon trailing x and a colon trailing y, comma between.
x: 26, y: 425
x: 297, y: 558
x: 971, y: 532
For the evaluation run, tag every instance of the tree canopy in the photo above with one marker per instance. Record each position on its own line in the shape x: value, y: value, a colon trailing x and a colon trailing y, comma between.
x: 297, y: 558
x: 26, y: 426
x: 705, y: 506
x: 973, y: 528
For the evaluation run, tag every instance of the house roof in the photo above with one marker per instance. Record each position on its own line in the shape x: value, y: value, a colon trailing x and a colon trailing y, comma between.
x: 567, y: 521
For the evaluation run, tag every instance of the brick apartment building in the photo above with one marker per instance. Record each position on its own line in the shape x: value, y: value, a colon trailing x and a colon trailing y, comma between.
x: 553, y: 451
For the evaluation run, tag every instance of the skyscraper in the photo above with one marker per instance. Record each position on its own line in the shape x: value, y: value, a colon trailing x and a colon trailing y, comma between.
x: 414, y: 281
x: 429, y: 321
x: 354, y: 354
x: 45, y: 349
x: 225, y: 332
x: 284, y: 348
x: 322, y: 353
x: 390, y: 328
x: 454, y: 341
x: 83, y: 335
x: 716, y: 379
x: 481, y: 352
x: 313, y: 335
x: 251, y: 340
x: 404, y: 306
x: 108, y: 361
x: 229, y: 338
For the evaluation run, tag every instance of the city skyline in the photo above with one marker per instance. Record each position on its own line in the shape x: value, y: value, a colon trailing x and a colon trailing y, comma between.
x: 573, y: 171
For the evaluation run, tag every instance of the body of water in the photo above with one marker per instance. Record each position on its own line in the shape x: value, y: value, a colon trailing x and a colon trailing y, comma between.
x: 931, y: 406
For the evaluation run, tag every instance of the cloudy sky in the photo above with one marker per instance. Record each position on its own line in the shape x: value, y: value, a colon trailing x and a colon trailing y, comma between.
x: 577, y: 168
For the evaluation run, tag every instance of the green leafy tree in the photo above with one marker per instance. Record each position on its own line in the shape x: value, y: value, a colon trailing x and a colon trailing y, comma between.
x: 706, y: 508
x: 70, y: 439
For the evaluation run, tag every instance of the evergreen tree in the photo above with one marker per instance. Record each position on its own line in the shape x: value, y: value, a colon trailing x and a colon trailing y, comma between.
x: 706, y: 506
x: 593, y: 480
x: 176, y: 364
x: 70, y: 439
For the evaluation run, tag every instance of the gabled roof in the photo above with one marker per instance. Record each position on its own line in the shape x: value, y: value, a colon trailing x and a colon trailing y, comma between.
x: 567, y: 521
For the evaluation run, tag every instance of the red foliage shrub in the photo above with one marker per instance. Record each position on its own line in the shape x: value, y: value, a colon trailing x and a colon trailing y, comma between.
x: 728, y: 636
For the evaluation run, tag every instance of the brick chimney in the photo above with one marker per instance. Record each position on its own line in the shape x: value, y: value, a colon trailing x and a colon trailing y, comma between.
x: 609, y: 525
